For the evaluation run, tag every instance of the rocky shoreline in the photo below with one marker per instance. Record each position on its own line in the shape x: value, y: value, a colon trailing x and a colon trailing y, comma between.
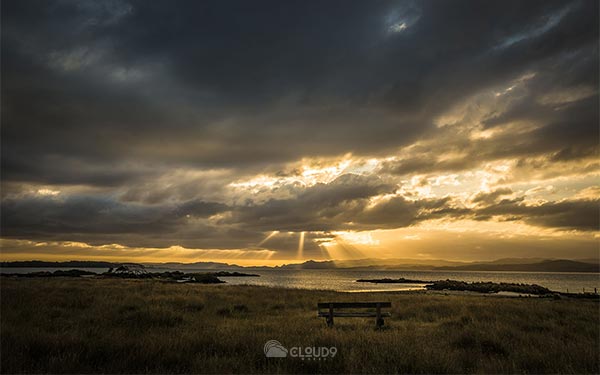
x: 139, y: 272
x: 481, y: 287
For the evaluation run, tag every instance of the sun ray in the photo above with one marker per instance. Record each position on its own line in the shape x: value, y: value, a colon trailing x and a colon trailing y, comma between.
x: 347, y: 250
x: 271, y: 235
x: 301, y: 246
x: 324, y: 252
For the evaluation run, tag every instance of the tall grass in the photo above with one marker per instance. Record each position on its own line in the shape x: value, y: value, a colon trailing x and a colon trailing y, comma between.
x: 143, y: 326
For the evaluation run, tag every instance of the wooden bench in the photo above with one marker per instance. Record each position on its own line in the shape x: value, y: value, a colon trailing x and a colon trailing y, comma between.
x: 331, y: 307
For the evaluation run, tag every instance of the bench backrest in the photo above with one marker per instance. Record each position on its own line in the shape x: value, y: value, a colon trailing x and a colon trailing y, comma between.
x: 350, y: 305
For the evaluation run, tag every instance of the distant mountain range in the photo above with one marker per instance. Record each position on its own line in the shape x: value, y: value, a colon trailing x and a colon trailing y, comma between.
x: 560, y: 265
x: 68, y: 264
x: 196, y: 266
x: 507, y: 264
x: 376, y: 263
x: 523, y: 265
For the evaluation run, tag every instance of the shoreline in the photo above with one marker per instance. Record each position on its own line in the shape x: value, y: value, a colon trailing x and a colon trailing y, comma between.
x: 424, y: 291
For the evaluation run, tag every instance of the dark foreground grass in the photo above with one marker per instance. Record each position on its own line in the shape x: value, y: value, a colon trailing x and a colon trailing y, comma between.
x: 71, y: 325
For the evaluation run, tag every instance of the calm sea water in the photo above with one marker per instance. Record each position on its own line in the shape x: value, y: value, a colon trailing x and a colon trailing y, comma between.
x: 345, y: 280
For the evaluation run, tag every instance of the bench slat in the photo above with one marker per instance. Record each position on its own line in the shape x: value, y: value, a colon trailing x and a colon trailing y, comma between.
x: 325, y: 305
x: 354, y: 314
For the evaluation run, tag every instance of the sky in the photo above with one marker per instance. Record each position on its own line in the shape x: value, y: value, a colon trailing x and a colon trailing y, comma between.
x: 269, y: 132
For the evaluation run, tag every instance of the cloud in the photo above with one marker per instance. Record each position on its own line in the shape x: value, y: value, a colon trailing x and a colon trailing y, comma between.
x: 568, y: 214
x: 224, y: 103
x: 321, y: 207
x: 152, y: 121
x: 491, y: 197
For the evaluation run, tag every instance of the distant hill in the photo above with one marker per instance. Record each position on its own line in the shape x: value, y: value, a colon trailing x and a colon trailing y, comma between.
x: 514, y: 261
x: 67, y: 264
x: 313, y: 264
x: 508, y: 264
x: 561, y: 265
x: 310, y: 265
x: 371, y: 263
x: 194, y: 266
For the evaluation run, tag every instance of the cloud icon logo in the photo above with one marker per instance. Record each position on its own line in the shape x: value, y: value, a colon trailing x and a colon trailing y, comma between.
x: 274, y: 349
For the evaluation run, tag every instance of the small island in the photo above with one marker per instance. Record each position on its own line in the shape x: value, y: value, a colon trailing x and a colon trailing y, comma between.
x: 137, y: 271
x: 480, y: 287
x: 393, y: 281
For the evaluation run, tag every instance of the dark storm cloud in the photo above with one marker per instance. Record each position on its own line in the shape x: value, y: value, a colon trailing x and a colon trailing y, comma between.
x: 238, y: 83
x: 317, y: 208
x: 343, y: 204
x: 569, y: 134
x: 566, y: 131
x: 103, y: 220
x: 98, y: 214
x: 491, y: 197
x: 577, y: 214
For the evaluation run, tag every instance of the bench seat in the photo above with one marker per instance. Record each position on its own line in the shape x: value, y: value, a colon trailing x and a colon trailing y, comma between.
x: 324, y: 314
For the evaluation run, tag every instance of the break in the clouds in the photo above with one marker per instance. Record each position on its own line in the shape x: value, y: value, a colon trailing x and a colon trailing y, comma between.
x: 292, y: 128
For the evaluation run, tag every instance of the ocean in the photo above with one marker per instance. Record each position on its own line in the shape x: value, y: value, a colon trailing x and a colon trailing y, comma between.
x: 345, y: 280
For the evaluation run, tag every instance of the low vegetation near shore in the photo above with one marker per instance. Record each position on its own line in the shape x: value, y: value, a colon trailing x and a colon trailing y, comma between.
x: 105, y: 325
x: 480, y: 287
x: 484, y: 287
x: 175, y: 276
x: 489, y: 287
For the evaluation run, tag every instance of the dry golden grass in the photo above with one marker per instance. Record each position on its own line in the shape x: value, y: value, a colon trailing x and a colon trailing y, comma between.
x: 75, y: 325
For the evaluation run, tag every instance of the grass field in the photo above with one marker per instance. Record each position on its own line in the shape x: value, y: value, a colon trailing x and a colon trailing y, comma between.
x: 76, y: 325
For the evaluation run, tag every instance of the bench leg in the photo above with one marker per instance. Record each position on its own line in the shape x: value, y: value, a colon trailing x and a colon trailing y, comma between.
x: 330, y: 317
x: 379, y: 321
